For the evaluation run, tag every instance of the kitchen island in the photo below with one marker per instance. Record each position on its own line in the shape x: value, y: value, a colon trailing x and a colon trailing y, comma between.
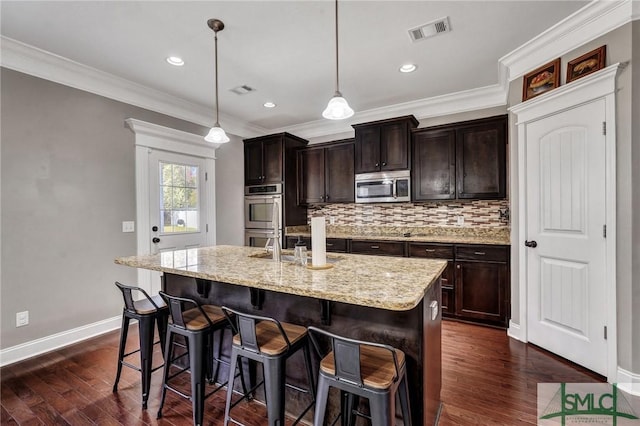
x: 390, y: 300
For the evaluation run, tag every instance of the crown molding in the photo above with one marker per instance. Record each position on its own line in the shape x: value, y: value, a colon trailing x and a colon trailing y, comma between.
x: 590, y: 22
x: 453, y: 103
x: 39, y: 63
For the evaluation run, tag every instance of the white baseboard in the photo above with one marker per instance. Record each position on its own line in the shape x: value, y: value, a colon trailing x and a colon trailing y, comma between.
x: 629, y: 382
x: 58, y: 340
x: 514, y: 331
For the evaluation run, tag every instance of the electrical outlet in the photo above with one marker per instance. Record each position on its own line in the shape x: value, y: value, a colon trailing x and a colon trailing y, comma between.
x: 460, y: 220
x: 128, y: 226
x: 22, y: 318
x: 332, y: 220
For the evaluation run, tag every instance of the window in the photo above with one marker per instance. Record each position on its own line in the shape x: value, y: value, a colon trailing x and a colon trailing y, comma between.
x: 179, y: 198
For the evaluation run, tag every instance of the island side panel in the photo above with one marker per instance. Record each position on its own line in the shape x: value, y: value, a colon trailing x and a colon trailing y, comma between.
x: 412, y: 331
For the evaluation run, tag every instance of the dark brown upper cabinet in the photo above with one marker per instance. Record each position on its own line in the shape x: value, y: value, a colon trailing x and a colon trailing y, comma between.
x: 434, y: 165
x: 460, y: 160
x: 264, y: 157
x: 326, y: 174
x: 383, y: 145
x: 481, y: 160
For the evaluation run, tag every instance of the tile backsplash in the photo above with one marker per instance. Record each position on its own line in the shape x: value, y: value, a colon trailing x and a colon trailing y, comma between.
x: 477, y: 213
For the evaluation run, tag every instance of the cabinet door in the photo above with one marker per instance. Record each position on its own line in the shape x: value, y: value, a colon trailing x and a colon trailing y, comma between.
x: 480, y: 161
x: 253, y: 163
x: 272, y: 150
x: 481, y: 291
x: 434, y: 165
x: 367, y: 149
x: 311, y: 176
x: 394, y: 147
x: 379, y: 248
x: 339, y: 174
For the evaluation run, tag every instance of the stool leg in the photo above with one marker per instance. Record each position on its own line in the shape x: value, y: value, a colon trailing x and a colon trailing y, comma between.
x: 165, y: 373
x: 351, y: 402
x: 145, y: 327
x: 162, y: 321
x: 197, y: 353
x: 321, y: 401
x: 123, y: 343
x: 274, y: 379
x: 403, y: 389
x: 232, y: 376
x: 383, y: 409
x: 307, y: 362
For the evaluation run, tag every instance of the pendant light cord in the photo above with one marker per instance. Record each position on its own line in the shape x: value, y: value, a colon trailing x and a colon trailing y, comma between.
x: 337, y: 56
x: 216, y: 66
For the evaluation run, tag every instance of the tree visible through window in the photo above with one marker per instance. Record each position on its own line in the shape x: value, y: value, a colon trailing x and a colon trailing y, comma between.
x: 179, y: 203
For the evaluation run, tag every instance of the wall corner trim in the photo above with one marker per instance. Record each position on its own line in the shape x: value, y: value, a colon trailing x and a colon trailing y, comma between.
x: 628, y: 381
x: 58, y: 340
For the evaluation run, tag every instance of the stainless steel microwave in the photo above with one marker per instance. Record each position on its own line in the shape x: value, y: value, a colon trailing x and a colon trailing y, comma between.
x: 383, y: 187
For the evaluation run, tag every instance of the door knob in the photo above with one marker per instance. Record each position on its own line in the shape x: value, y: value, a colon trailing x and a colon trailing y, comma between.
x: 154, y: 229
x: 155, y: 240
x: 531, y: 244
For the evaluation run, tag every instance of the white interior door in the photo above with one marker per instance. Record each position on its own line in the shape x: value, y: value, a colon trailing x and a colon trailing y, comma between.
x: 566, y: 214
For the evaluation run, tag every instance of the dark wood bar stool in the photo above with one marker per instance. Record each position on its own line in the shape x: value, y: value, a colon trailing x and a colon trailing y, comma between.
x: 361, y: 369
x: 269, y: 342
x: 148, y: 311
x: 197, y: 324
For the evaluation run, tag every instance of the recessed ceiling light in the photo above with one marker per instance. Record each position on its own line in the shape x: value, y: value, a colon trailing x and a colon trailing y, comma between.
x: 175, y: 60
x: 269, y: 105
x: 408, y: 68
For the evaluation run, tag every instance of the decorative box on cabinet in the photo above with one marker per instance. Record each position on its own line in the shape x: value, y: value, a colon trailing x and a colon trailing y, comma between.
x: 383, y: 145
x: 326, y: 173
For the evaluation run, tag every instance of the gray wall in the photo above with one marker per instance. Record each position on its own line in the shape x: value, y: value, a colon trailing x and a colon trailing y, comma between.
x: 229, y: 193
x: 635, y: 167
x: 619, y: 49
x: 68, y: 182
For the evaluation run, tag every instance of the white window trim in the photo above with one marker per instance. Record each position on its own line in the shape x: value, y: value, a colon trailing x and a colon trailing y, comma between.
x: 151, y: 136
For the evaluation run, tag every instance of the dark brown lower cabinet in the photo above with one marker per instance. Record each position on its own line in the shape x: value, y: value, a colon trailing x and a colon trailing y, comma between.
x: 481, y: 274
x: 378, y: 248
x: 440, y: 251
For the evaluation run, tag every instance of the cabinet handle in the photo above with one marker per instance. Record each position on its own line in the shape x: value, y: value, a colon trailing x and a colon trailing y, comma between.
x: 321, y: 198
x: 479, y: 253
x: 384, y: 163
x: 430, y: 250
x: 375, y: 247
x: 329, y: 244
x: 377, y: 164
x: 458, y: 266
x: 327, y: 197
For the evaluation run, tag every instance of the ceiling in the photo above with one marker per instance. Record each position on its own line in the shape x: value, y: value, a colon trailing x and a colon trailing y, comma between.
x: 286, y: 49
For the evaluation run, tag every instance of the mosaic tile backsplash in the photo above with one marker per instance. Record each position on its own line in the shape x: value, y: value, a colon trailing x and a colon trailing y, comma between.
x: 477, y: 213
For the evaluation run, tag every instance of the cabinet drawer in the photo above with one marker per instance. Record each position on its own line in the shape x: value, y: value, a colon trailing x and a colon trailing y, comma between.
x: 431, y: 251
x: 382, y: 248
x: 338, y: 245
x: 484, y: 253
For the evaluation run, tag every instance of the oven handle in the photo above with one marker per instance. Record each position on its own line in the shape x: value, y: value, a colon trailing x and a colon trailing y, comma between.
x: 395, y: 188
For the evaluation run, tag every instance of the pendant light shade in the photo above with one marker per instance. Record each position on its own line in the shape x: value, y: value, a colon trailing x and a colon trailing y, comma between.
x: 216, y: 134
x: 338, y: 107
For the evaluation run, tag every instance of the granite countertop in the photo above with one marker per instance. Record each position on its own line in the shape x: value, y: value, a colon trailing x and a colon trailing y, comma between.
x: 428, y: 234
x: 391, y: 283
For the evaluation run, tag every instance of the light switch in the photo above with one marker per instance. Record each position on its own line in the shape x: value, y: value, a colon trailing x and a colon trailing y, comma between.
x: 128, y: 226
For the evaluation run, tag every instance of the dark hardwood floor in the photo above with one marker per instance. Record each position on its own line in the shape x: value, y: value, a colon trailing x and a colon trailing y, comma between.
x: 488, y: 379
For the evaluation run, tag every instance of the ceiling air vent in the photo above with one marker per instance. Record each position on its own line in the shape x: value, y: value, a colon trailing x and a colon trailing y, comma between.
x: 243, y: 90
x: 430, y: 29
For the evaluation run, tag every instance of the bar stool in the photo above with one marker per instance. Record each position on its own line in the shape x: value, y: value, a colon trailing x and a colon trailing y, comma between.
x: 362, y: 369
x: 270, y: 342
x: 197, y: 324
x: 147, y: 311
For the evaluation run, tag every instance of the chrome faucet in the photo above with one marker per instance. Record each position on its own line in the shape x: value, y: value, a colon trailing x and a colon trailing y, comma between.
x: 275, y: 246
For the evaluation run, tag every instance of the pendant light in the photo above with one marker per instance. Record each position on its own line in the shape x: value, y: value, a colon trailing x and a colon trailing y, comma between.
x: 216, y: 134
x: 338, y: 108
